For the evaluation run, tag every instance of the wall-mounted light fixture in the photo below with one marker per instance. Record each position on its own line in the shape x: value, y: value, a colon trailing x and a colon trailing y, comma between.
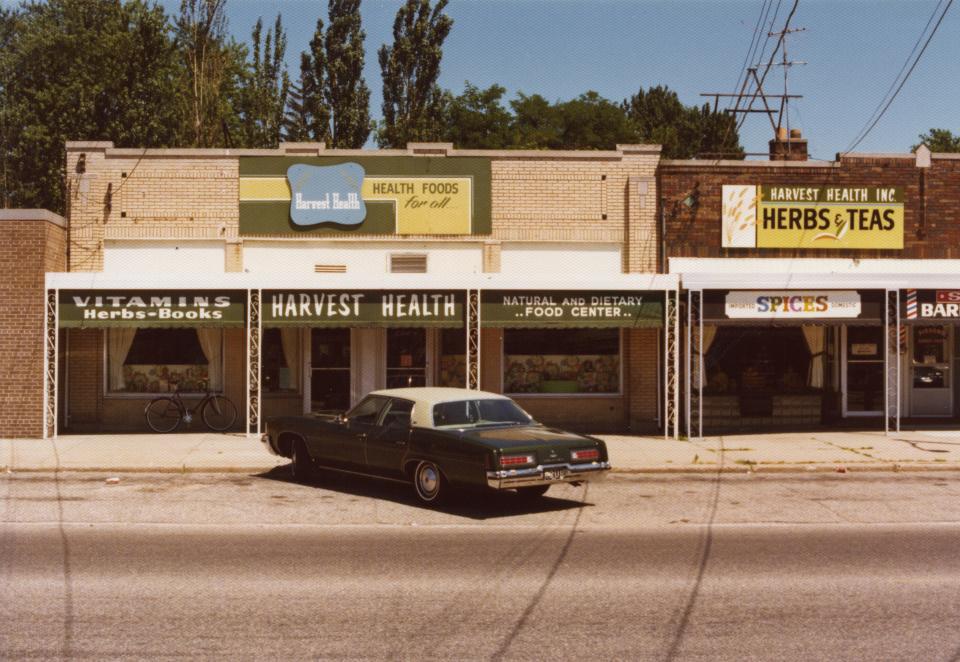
x: 81, y: 166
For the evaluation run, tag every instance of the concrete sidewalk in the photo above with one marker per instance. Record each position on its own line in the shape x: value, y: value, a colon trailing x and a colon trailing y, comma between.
x: 798, y: 451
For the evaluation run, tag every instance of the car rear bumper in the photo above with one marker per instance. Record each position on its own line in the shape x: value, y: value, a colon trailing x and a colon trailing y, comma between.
x: 505, y: 479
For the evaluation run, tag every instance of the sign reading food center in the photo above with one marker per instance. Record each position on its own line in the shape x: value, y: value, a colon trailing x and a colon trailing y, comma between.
x: 151, y: 308
x: 363, y: 308
x: 812, y: 217
x: 792, y: 304
x: 510, y: 308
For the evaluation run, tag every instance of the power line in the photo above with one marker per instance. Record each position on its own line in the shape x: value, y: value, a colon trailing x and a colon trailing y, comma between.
x: 875, y: 116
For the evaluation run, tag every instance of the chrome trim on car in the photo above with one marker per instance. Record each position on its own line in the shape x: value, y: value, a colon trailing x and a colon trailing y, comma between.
x: 504, y: 479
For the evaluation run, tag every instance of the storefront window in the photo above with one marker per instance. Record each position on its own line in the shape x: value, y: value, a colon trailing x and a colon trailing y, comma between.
x: 561, y: 360
x: 280, y: 370
x: 406, y: 357
x: 161, y: 360
x: 758, y: 360
x: 453, y: 358
x: 330, y: 370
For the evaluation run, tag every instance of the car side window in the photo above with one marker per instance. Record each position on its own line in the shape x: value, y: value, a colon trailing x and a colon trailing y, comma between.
x: 368, y: 411
x: 397, y: 414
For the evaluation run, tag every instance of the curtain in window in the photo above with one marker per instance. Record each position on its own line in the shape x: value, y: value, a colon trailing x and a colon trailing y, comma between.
x: 290, y: 340
x: 210, y: 342
x: 119, y: 341
x: 816, y: 337
x: 709, y: 334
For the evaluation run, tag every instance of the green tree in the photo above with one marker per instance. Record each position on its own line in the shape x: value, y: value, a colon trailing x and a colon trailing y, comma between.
x: 263, y: 96
x: 939, y: 140
x: 592, y: 122
x: 82, y: 70
x: 346, y: 91
x: 537, y: 124
x: 477, y: 120
x: 659, y: 117
x: 297, y: 120
x: 413, y: 103
x: 313, y: 77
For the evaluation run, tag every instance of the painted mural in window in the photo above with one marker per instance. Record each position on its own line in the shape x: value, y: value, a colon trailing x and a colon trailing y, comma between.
x: 453, y: 358
x: 280, y: 370
x: 556, y: 361
x: 163, y: 360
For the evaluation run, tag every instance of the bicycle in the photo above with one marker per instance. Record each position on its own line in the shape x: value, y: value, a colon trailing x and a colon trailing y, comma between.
x: 164, y: 414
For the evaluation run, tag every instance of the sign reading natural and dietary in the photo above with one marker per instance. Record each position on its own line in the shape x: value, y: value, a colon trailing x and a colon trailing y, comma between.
x: 792, y: 304
x: 151, y: 308
x: 399, y: 195
x: 363, y: 308
x: 830, y: 217
x: 512, y: 308
x: 930, y: 304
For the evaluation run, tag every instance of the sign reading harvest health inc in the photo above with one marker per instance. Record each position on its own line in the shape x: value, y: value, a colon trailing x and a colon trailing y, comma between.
x: 511, y: 308
x: 151, y: 308
x: 363, y: 308
x: 401, y: 195
x: 812, y: 217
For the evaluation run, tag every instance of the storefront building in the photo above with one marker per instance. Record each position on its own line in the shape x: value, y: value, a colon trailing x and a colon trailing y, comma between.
x: 298, y: 279
x: 817, y: 293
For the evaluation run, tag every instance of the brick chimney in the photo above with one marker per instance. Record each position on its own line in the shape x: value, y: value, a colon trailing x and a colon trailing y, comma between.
x: 788, y: 147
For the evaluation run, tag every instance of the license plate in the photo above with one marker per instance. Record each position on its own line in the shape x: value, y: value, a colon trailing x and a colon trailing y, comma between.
x: 554, y: 474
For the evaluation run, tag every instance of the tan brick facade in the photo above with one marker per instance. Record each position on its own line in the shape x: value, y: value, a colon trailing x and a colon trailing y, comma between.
x: 32, y: 242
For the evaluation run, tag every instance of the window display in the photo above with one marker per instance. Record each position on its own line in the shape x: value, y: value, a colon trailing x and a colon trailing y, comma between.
x: 280, y: 370
x: 162, y: 360
x: 554, y: 361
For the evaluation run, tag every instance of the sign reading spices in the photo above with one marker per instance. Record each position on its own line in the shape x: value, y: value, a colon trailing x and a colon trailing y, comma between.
x: 793, y: 304
x: 508, y: 308
x: 812, y: 217
x: 143, y: 308
x: 363, y: 308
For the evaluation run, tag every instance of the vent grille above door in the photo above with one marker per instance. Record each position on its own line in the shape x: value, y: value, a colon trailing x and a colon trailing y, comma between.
x: 330, y: 268
x: 408, y: 263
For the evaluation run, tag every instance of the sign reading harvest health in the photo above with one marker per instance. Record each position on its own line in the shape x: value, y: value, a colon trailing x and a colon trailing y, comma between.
x: 366, y: 194
x: 363, y: 308
x: 812, y: 217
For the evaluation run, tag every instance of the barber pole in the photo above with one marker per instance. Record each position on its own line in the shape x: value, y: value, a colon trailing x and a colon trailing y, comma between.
x: 911, y: 304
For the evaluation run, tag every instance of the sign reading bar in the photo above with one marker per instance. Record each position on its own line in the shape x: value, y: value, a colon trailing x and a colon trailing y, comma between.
x: 511, y: 308
x: 930, y: 304
x: 792, y: 304
x: 401, y: 195
x: 812, y: 217
x: 141, y: 308
x: 363, y: 308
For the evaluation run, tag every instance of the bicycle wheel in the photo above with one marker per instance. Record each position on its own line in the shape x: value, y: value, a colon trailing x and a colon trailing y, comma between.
x: 163, y: 415
x: 219, y: 413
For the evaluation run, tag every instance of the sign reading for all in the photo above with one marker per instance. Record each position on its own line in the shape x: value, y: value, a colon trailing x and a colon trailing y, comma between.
x: 433, y: 308
x: 151, y: 309
x: 795, y: 304
x: 812, y: 217
x: 571, y: 309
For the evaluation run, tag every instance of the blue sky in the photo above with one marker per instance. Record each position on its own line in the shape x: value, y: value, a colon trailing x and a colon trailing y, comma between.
x: 562, y: 48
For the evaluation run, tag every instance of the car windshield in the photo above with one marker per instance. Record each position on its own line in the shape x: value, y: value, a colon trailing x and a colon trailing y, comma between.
x: 479, y: 412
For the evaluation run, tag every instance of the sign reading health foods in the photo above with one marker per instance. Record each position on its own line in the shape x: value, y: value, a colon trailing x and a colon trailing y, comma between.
x: 363, y: 308
x: 151, y: 308
x: 792, y: 304
x: 812, y: 217
x: 571, y: 309
x: 400, y: 195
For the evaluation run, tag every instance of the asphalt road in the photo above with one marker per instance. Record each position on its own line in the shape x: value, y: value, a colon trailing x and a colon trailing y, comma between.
x: 774, y: 567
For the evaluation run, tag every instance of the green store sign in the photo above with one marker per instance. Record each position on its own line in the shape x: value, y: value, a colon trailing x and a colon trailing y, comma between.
x: 570, y: 309
x: 151, y: 308
x: 363, y: 308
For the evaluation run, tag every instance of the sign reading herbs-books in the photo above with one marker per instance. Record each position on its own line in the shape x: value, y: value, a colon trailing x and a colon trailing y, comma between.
x: 151, y: 308
x: 394, y: 195
x: 363, y: 308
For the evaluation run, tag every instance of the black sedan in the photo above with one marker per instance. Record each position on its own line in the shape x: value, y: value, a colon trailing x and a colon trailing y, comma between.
x: 439, y: 439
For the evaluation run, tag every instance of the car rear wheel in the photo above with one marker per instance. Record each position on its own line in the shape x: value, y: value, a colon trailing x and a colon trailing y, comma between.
x: 533, y: 492
x: 429, y: 483
x: 301, y: 467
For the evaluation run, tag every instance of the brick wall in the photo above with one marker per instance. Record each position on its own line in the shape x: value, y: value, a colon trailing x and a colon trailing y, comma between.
x: 931, y: 220
x: 32, y: 242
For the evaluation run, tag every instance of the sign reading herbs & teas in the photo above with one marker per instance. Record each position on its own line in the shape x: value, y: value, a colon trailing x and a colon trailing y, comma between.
x: 151, y: 308
x: 363, y: 308
x: 798, y: 216
x: 512, y: 308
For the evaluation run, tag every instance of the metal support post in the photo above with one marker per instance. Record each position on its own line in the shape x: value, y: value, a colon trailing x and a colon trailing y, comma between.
x: 671, y: 364
x: 473, y: 339
x: 254, y: 331
x: 695, y: 314
x: 51, y: 351
x: 891, y: 361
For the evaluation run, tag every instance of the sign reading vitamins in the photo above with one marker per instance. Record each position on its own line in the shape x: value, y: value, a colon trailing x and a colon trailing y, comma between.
x: 812, y: 217
x: 98, y: 309
x: 363, y: 308
x: 798, y: 304
x: 507, y: 308
x: 400, y: 195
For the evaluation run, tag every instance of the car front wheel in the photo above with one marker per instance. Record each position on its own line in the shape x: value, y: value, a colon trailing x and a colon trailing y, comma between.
x: 429, y: 483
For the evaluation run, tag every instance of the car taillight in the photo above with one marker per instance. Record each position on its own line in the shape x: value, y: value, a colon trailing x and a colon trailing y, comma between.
x: 516, y: 460
x: 585, y: 454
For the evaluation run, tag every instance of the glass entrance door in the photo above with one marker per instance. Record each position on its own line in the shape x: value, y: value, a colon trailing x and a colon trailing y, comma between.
x: 406, y: 357
x: 330, y: 370
x: 863, y: 371
x: 931, y: 387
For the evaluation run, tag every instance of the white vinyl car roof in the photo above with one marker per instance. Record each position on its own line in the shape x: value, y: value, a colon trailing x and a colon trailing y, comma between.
x: 425, y: 397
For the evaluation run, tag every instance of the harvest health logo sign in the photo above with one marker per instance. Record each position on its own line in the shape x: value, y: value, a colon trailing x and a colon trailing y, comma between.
x: 326, y: 194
